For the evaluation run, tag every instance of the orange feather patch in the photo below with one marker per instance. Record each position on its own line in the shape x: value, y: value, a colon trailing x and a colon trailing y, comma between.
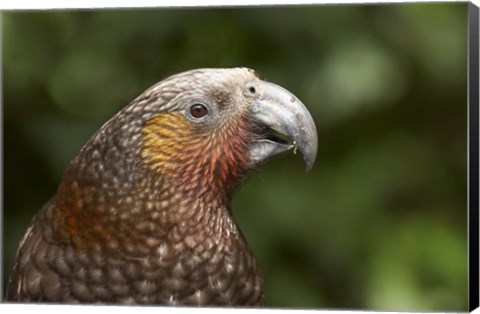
x: 199, y: 160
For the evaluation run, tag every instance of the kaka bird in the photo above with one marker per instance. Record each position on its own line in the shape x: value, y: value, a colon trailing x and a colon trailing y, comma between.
x: 143, y: 212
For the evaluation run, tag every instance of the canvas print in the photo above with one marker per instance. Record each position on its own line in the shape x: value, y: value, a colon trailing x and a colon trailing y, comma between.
x: 298, y: 157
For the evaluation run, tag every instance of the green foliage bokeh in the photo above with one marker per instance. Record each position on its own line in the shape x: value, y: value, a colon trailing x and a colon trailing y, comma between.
x: 380, y: 222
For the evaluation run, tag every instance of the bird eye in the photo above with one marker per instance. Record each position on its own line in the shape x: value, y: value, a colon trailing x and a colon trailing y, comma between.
x: 198, y: 110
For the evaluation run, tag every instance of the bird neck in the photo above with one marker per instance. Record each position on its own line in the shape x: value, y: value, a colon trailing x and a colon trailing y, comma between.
x: 139, y: 219
x: 132, y: 192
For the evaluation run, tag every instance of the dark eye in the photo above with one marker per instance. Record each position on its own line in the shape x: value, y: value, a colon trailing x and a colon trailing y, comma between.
x: 198, y: 110
x: 252, y: 90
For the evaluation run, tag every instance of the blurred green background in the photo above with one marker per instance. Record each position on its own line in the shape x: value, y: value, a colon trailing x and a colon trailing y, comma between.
x: 380, y: 222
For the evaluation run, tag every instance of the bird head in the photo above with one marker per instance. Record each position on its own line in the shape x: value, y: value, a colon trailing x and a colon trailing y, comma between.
x: 218, y: 124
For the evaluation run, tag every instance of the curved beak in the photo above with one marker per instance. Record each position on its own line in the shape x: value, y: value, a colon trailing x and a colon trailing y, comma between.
x: 279, y: 113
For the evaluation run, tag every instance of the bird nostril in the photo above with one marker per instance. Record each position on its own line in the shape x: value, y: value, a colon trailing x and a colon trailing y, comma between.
x: 251, y: 89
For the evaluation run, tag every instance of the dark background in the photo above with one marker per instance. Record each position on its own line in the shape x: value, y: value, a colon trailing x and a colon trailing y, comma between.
x: 380, y: 222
